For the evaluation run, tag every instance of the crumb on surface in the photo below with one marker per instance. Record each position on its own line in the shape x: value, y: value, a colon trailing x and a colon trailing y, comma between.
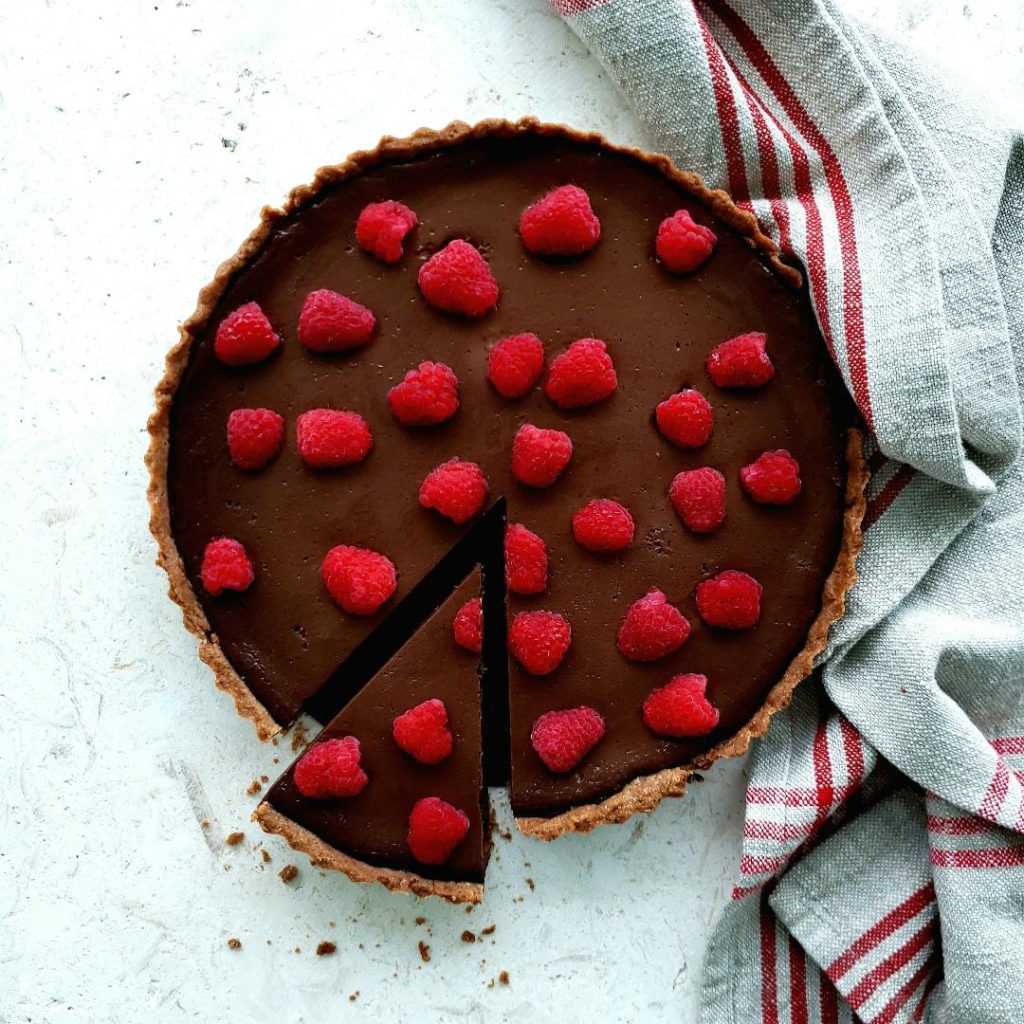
x: 421, y: 920
x: 424, y: 951
x: 288, y: 873
x: 530, y: 883
x: 204, y: 824
x: 235, y: 838
x: 489, y: 930
x: 254, y: 787
x: 353, y: 996
x: 299, y: 738
x: 234, y: 943
x: 264, y: 778
x: 265, y: 855
x: 298, y: 949
x: 503, y: 977
x: 325, y: 948
x: 468, y: 936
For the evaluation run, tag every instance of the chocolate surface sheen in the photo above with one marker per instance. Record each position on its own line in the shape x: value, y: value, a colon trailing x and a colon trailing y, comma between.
x: 285, y: 637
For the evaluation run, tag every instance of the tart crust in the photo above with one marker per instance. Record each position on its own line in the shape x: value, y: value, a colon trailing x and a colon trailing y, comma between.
x: 641, y: 794
x: 323, y: 855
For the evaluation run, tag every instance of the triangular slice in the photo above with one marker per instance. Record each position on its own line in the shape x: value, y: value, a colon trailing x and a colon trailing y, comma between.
x: 366, y: 835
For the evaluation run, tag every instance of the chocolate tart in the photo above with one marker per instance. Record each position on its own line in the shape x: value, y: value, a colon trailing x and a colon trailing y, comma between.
x: 284, y: 647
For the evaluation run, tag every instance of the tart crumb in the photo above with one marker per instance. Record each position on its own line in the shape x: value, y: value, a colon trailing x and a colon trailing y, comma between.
x: 288, y: 873
x: 234, y: 943
x: 325, y: 948
x: 530, y: 883
x: 264, y: 778
x: 299, y: 738
x: 421, y: 920
x: 204, y: 824
x: 489, y: 930
x: 503, y: 977
x: 424, y: 951
x: 298, y: 949
x: 353, y: 996
x: 254, y: 787
x: 234, y: 839
x: 468, y: 936
x: 265, y: 855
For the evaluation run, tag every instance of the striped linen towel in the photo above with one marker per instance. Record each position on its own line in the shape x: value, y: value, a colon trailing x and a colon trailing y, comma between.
x: 882, y: 876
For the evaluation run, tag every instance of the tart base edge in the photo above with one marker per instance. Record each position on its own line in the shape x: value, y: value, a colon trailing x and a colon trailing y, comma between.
x: 322, y: 855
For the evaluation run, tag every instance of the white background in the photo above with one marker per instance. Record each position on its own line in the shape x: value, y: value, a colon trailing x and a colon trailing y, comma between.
x: 137, y: 143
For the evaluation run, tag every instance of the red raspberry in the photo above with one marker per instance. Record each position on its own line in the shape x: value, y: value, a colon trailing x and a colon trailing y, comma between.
x: 526, y: 561
x: 330, y: 769
x: 685, y: 418
x: 435, y: 829
x: 428, y: 395
x: 330, y: 322
x: 457, y: 279
x: 329, y: 438
x: 682, y: 244
x: 563, y: 738
x: 732, y: 600
x: 699, y: 498
x: 226, y: 566
x: 582, y: 375
x: 539, y: 640
x: 603, y: 525
x: 468, y: 626
x: 772, y: 478
x: 515, y: 365
x: 652, y: 628
x: 359, y: 580
x: 423, y: 732
x: 456, y: 489
x: 741, y: 362
x: 245, y: 336
x: 254, y: 437
x: 382, y: 227
x: 561, y: 223
x: 679, y: 708
x: 539, y: 456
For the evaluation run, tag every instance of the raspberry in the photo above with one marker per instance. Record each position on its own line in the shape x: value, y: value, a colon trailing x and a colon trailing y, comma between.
x: 254, y: 437
x: 526, y: 561
x: 652, y: 628
x: 423, y: 732
x: 330, y: 769
x: 359, y: 580
x: 457, y: 279
x: 226, y: 566
x: 732, y: 600
x: 741, y: 362
x: 539, y: 640
x: 772, y: 478
x: 428, y: 394
x: 329, y: 438
x: 683, y: 245
x: 330, y: 322
x: 561, y: 223
x: 699, y: 498
x: 582, y: 375
x: 468, y: 625
x: 679, y: 708
x: 685, y: 418
x: 563, y: 738
x: 456, y: 489
x: 435, y: 829
x: 382, y: 227
x: 539, y: 456
x: 603, y: 525
x: 515, y: 365
x: 245, y: 336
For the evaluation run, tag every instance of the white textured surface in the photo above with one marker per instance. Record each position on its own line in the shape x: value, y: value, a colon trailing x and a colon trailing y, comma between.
x: 137, y: 148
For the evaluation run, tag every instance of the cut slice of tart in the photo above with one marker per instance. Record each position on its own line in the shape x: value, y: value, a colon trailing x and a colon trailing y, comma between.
x: 410, y: 739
